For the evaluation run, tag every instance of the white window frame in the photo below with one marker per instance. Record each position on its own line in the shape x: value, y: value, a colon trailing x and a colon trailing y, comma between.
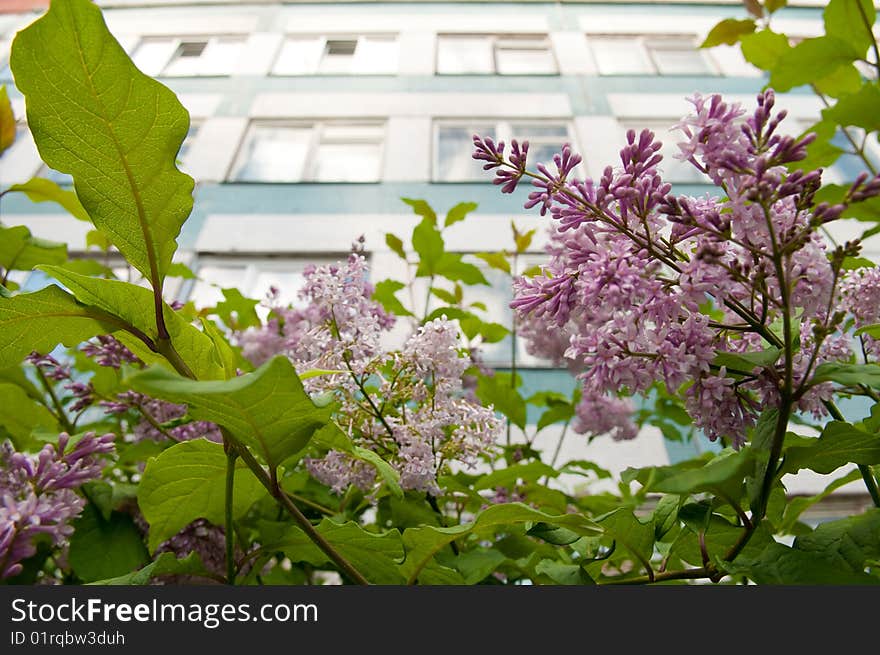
x: 315, y: 141
x: 177, y: 41
x: 499, y: 42
x: 644, y: 43
x: 504, y: 131
x: 321, y: 41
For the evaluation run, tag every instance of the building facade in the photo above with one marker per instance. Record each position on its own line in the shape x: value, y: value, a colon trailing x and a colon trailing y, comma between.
x: 310, y: 122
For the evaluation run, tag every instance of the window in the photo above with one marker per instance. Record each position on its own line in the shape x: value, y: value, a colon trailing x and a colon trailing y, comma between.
x: 462, y: 54
x: 317, y: 152
x: 649, y: 55
x: 673, y: 170
x: 253, y: 276
x: 454, y: 145
x: 338, y: 55
x: 189, y: 56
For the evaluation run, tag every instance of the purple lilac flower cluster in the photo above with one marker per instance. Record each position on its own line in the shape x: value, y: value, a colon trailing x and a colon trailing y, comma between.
x: 38, y: 494
x: 407, y: 405
x: 646, y: 286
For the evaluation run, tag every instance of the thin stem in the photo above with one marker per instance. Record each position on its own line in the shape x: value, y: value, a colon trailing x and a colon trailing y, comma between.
x: 559, y: 444
x: 231, y: 456
x: 61, y: 415
x: 867, y: 24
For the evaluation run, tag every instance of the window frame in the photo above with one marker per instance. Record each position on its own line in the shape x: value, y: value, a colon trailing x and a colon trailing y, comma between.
x: 496, y: 42
x: 178, y: 41
x: 504, y: 131
x: 310, y: 163
x: 322, y: 39
x: 642, y: 41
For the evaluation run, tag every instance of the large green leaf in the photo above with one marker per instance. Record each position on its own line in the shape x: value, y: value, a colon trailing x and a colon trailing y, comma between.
x: 43, y: 319
x: 762, y: 442
x: 21, y: 251
x: 26, y: 416
x: 502, y: 394
x: 847, y: 543
x: 40, y: 189
x: 839, y: 444
x: 458, y: 213
x: 134, y: 305
x: 809, y: 60
x: 508, y: 477
x: 188, y: 482
x: 95, y: 116
x: 428, y: 244
x: 721, y: 474
x: 782, y: 565
x: 851, y: 20
x: 796, y: 506
x: 384, y: 294
x: 763, y: 49
x: 858, y: 109
x: 105, y: 548
x: 474, y: 565
x: 377, y: 556
x: 267, y: 410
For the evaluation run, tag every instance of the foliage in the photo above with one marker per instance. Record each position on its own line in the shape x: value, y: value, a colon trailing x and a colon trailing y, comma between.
x: 207, y: 444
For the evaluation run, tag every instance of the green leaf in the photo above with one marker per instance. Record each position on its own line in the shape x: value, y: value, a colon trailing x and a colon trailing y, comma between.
x: 21, y: 251
x: 508, y: 477
x: 858, y: 109
x: 842, y: 81
x: 763, y: 49
x: 728, y: 31
x: 809, y: 60
x: 637, y: 537
x: 181, y: 270
x: 822, y: 152
x: 774, y: 5
x: 134, y: 305
x: 796, y: 506
x: 444, y: 295
x: 101, y: 549
x: 384, y: 294
x: 762, y: 441
x: 165, y: 564
x: 451, y: 266
x: 839, y: 444
x: 237, y: 311
x: 187, y: 482
x: 428, y: 244
x: 27, y: 416
x: 95, y: 116
x: 43, y: 319
x: 488, y: 332
x: 746, y: 362
x: 502, y: 394
x: 423, y: 543
x: 229, y: 355
x: 852, y: 264
x: 99, y: 240
x: 332, y: 438
x: 564, y: 574
x: 665, y: 515
x: 459, y: 212
x: 7, y: 121
x: 496, y: 260
x: 396, y: 245
x: 375, y: 555
x: 553, y: 534
x: 848, y: 374
x: 782, y: 565
x: 557, y: 413
x: 709, y: 472
x: 39, y: 189
x: 266, y: 410
x: 847, y: 543
x: 844, y: 19
x: 475, y: 565
x: 522, y: 240
x: 423, y: 209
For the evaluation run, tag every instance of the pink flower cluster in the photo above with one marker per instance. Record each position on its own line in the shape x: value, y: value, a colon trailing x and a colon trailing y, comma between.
x: 647, y: 287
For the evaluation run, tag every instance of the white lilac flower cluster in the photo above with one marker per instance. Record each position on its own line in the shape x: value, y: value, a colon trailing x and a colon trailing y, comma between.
x: 406, y: 405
